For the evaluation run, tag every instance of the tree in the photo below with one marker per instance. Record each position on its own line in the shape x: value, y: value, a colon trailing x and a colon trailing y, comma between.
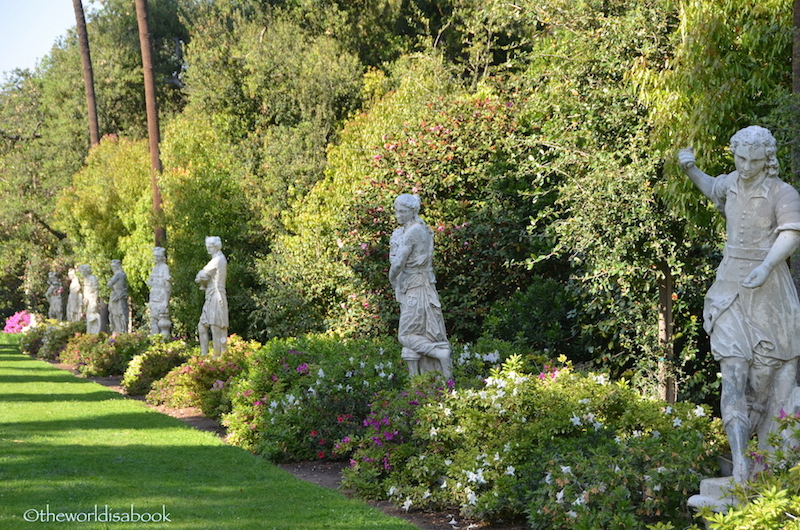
x: 88, y: 75
x: 153, y: 131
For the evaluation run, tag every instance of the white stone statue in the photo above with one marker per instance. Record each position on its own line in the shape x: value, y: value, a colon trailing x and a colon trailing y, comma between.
x: 421, y: 330
x: 752, y: 313
x: 75, y: 299
x: 215, y: 309
x: 53, y: 295
x: 91, y: 300
x: 160, y: 283
x: 118, y: 301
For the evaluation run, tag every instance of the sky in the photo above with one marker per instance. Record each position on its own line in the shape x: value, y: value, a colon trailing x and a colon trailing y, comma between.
x: 30, y: 28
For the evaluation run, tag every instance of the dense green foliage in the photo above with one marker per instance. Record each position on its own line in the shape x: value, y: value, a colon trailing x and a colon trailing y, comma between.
x: 540, y: 137
x: 153, y: 364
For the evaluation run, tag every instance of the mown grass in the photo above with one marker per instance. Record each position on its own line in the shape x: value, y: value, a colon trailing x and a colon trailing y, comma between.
x: 68, y: 445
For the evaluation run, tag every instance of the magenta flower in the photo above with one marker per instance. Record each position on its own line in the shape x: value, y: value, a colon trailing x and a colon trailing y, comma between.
x: 302, y: 369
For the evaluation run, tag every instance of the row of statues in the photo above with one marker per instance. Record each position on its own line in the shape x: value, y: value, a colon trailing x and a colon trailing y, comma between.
x: 752, y: 312
x: 83, y: 300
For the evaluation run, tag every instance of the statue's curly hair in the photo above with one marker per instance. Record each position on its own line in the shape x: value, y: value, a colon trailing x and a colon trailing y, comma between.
x: 761, y: 137
x: 409, y: 201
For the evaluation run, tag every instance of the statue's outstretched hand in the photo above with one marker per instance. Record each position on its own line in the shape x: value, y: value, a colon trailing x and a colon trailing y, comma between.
x: 686, y: 158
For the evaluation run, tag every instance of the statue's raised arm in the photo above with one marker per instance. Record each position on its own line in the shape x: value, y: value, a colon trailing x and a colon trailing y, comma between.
x: 688, y: 163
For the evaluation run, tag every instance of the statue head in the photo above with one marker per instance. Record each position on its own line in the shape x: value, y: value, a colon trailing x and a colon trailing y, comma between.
x: 85, y: 269
x: 160, y: 254
x: 116, y: 264
x: 758, y: 137
x: 408, y: 201
x: 213, y: 243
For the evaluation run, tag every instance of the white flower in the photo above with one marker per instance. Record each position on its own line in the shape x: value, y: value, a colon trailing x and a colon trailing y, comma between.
x: 560, y: 496
x: 434, y: 431
x: 426, y: 494
x: 584, y: 401
x: 407, y: 504
x: 312, y: 391
x: 597, y: 425
x: 600, y: 379
x: 662, y: 469
x: 657, y: 487
x: 349, y: 373
x: 699, y: 411
x: 321, y: 374
x: 497, y: 457
x: 447, y: 462
x: 366, y: 383
x: 382, y: 374
x: 491, y: 357
x: 677, y: 422
x: 472, y: 498
x: 636, y: 433
x: 444, y: 484
x: 566, y: 470
x: 510, y: 470
x: 668, y: 410
x: 578, y: 501
x: 575, y: 420
x: 548, y: 479
x: 656, y: 434
x: 447, y: 412
x: 573, y: 514
x: 391, y: 491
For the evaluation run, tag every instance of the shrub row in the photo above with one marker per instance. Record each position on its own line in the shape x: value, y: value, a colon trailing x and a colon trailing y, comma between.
x: 512, y: 437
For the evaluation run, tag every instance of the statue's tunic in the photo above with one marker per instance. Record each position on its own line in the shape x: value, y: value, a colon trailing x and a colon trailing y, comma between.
x: 421, y: 327
x: 215, y: 309
x: 760, y: 324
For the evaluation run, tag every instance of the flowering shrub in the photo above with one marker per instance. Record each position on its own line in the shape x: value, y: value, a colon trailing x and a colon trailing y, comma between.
x: 102, y: 354
x: 18, y: 322
x: 153, y: 364
x: 48, y: 338
x: 298, y: 397
x: 570, y: 450
x: 203, y: 380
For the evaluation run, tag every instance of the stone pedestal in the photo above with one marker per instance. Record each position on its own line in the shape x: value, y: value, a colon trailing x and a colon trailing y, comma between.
x: 715, y: 493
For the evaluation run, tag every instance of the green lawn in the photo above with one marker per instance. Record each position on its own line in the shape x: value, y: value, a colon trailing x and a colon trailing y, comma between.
x: 68, y: 445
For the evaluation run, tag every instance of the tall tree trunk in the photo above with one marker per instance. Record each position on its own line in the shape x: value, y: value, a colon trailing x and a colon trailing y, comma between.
x: 88, y: 74
x: 160, y: 234
x: 666, y: 379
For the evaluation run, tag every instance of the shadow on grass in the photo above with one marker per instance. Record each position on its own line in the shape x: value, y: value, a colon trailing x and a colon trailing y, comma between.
x: 205, y: 486
x: 44, y: 398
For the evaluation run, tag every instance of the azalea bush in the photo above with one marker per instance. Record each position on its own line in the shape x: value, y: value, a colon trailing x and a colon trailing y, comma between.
x: 298, y: 397
x: 203, y: 379
x: 48, y: 338
x: 17, y: 322
x: 565, y: 449
x: 102, y: 354
x: 153, y: 364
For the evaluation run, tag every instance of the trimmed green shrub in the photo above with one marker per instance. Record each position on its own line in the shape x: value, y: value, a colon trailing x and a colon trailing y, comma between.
x: 202, y: 380
x: 103, y: 354
x: 49, y: 338
x: 569, y: 450
x: 297, y: 397
x: 153, y: 364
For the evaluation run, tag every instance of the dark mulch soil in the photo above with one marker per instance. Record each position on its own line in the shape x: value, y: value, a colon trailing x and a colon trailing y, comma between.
x: 322, y: 473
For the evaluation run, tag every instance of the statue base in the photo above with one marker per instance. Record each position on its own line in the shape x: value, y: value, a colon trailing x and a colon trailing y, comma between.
x: 715, y: 493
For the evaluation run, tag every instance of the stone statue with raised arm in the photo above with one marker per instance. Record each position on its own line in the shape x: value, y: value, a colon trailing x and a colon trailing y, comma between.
x: 215, y: 309
x: 75, y: 298
x: 752, y: 313
x: 160, y: 283
x: 118, y: 301
x: 91, y: 300
x: 53, y: 295
x: 421, y: 330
